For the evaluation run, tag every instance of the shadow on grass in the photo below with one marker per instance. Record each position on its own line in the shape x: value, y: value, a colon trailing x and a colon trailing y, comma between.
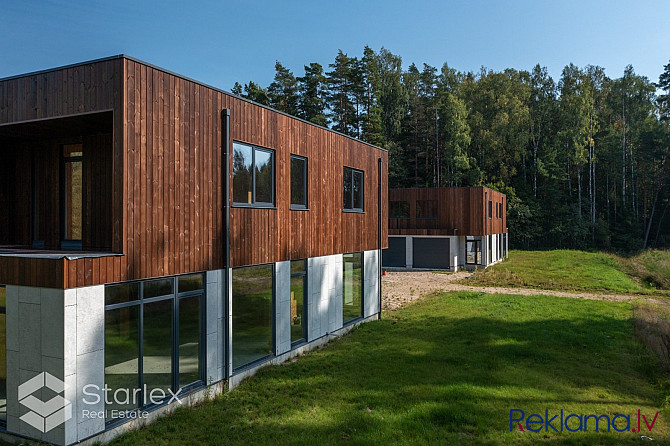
x: 445, y: 371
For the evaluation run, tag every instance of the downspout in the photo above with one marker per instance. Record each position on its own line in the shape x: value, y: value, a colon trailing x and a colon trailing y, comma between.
x: 225, y: 117
x: 379, y: 257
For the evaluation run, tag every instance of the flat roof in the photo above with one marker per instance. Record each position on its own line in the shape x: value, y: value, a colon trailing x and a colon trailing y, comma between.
x: 125, y: 56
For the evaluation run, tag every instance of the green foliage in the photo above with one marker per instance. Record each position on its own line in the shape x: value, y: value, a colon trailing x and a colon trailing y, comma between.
x: 585, y: 159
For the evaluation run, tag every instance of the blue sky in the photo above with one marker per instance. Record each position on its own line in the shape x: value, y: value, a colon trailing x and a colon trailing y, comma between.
x: 220, y: 42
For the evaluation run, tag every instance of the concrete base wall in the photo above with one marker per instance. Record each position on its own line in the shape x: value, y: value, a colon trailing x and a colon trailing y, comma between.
x: 60, y: 332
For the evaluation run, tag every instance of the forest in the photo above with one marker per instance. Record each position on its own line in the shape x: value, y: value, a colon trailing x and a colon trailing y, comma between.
x: 583, y: 159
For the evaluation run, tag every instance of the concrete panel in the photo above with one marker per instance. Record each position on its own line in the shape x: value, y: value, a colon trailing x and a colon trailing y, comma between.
x: 212, y: 358
x: 90, y: 319
x: 29, y: 295
x: 13, y: 382
x: 30, y: 338
x: 211, y: 306
x: 12, y: 318
x: 52, y: 313
x: 90, y: 371
x: 70, y: 339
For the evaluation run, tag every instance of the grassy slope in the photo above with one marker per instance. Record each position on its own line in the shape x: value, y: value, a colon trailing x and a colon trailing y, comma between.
x: 445, y: 370
x: 570, y: 271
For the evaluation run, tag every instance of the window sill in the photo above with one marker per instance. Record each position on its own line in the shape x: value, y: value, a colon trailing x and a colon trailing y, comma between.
x: 254, y: 206
x: 299, y: 208
x: 353, y: 211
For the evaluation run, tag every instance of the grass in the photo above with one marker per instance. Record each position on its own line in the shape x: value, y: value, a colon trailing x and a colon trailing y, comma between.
x: 445, y: 370
x: 568, y: 270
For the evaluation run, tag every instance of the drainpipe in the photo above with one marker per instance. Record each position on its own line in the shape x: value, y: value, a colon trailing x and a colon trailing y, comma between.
x: 225, y: 134
x: 379, y: 256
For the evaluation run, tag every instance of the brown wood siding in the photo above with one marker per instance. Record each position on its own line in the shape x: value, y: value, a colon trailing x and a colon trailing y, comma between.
x: 175, y: 189
x: 460, y: 211
x: 166, y: 208
x: 67, y: 92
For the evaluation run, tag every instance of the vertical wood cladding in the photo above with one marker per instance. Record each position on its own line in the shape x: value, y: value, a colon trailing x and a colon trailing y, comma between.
x: 165, y: 175
x: 175, y: 189
x: 460, y: 211
x: 79, y: 90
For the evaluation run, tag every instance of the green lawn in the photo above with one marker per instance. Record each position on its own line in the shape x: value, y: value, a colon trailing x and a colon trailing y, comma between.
x: 446, y: 370
x: 567, y: 270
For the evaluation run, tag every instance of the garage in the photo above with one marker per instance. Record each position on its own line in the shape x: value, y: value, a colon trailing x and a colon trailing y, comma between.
x: 431, y: 253
x: 394, y: 256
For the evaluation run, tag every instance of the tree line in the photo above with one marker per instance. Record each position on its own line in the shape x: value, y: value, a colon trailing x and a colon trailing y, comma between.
x: 583, y: 159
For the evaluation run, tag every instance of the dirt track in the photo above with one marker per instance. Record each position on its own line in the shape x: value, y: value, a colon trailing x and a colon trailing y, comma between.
x: 402, y: 287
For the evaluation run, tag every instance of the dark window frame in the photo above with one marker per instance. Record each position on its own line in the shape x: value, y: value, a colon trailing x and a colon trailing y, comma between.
x: 478, y: 250
x: 490, y: 209
x: 397, y: 215
x: 254, y: 203
x: 176, y: 297
x: 305, y: 182
x: 362, y: 313
x: 273, y: 349
x: 423, y: 217
x: 353, y: 172
x: 305, y: 293
x: 71, y: 244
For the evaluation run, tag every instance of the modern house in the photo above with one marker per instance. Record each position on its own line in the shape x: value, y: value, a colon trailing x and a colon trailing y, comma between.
x: 446, y: 228
x: 161, y: 237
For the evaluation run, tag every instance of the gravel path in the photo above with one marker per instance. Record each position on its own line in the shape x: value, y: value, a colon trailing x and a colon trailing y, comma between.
x: 402, y: 287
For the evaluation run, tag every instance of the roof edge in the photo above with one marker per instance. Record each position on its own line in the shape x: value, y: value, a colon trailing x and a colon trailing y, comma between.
x: 172, y: 73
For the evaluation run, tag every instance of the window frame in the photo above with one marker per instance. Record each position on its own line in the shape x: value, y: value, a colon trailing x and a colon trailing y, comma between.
x: 66, y: 243
x: 362, y: 313
x: 353, y: 171
x: 490, y: 209
x: 432, y: 217
x: 305, y: 183
x: 175, y: 296
x: 273, y: 320
x: 254, y: 203
x: 305, y: 293
x: 397, y: 216
x: 478, y: 250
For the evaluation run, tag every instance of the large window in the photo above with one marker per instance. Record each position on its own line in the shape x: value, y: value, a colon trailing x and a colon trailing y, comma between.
x: 473, y: 251
x: 153, y: 341
x: 253, y: 175
x: 399, y: 209
x: 353, y: 190
x: 3, y: 355
x: 72, y: 192
x: 298, y: 302
x: 426, y: 209
x: 253, y: 334
x: 352, y: 294
x: 298, y: 182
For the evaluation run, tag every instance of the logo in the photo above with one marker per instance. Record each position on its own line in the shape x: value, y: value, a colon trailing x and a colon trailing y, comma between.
x: 44, y: 416
x: 580, y: 423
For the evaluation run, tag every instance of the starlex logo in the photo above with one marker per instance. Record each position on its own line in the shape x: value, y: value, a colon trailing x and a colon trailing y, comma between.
x: 44, y: 416
x: 579, y: 423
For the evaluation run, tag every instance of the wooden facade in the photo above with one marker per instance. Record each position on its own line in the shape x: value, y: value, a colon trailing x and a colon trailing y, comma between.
x: 154, y: 177
x: 460, y: 211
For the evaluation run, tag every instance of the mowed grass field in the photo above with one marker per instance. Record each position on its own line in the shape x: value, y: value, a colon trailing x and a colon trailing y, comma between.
x: 445, y: 370
x: 567, y: 270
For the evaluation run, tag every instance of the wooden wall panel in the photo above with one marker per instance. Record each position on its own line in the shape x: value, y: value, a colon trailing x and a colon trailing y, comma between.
x: 167, y: 185
x: 461, y: 211
x: 174, y: 148
x: 76, y: 90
